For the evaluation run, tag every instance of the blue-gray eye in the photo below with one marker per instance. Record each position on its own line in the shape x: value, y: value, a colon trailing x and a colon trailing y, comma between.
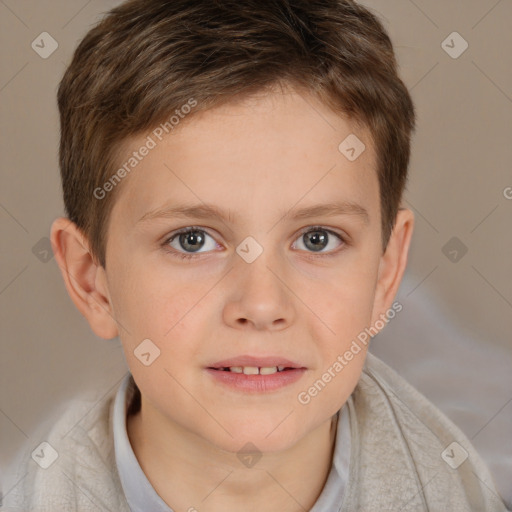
x: 317, y: 239
x: 191, y: 240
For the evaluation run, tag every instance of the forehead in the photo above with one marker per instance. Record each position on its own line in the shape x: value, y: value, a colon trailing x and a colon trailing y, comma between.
x: 269, y: 150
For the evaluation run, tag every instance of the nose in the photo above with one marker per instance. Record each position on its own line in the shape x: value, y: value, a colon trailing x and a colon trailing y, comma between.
x: 259, y: 296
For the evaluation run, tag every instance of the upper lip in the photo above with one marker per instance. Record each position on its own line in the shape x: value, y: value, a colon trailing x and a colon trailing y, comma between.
x: 260, y: 362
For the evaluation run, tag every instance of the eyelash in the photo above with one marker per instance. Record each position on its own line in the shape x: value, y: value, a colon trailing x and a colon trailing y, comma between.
x: 188, y: 256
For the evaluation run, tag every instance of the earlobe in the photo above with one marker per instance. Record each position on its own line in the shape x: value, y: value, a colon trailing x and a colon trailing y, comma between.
x: 83, y: 276
x: 393, y: 262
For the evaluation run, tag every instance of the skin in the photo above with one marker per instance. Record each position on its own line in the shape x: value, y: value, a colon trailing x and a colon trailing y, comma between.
x: 258, y: 158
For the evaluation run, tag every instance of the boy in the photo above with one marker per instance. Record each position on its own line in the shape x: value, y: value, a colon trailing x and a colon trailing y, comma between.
x: 271, y: 138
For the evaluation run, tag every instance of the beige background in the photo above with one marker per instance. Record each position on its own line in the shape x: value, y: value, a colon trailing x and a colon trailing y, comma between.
x: 460, y: 171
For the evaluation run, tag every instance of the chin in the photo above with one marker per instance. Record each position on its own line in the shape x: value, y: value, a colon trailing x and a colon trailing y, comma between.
x: 252, y: 443
x: 266, y: 434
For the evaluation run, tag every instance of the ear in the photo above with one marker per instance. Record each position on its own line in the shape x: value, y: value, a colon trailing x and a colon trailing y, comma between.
x: 84, y: 277
x: 393, y: 263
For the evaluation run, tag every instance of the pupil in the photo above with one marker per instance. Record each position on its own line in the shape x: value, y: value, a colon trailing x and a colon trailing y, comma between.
x: 314, y: 240
x: 194, y: 238
x: 318, y: 239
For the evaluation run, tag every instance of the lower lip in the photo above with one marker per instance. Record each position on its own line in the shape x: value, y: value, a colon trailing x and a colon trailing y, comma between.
x: 257, y: 383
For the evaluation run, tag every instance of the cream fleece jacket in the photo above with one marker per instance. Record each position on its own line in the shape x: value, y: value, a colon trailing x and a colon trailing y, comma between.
x: 402, y: 452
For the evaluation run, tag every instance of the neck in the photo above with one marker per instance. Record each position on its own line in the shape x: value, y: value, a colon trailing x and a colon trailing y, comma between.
x: 190, y: 473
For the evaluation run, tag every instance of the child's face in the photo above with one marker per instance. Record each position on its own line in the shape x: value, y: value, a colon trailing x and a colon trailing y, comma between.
x: 255, y: 161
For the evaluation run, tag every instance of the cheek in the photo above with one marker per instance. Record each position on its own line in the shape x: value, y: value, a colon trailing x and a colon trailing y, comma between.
x: 344, y: 308
x: 151, y: 303
x: 164, y: 319
x: 345, y: 302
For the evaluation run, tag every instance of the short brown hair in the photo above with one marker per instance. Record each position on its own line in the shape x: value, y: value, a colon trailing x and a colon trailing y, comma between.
x: 147, y: 58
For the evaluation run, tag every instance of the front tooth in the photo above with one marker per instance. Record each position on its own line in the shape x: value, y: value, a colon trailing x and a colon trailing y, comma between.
x: 280, y: 368
x: 236, y: 369
x: 268, y: 370
x: 251, y: 370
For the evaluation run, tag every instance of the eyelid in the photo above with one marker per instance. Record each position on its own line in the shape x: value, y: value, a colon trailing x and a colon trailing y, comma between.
x: 307, y: 229
x: 344, y: 239
x: 169, y: 238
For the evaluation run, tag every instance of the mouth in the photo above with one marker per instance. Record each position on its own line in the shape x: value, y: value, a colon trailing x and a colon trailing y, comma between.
x: 256, y: 374
x: 254, y: 370
x: 252, y: 365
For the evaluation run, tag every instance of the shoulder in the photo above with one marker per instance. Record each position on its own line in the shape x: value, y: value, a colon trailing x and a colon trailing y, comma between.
x: 71, y: 466
x: 407, y: 455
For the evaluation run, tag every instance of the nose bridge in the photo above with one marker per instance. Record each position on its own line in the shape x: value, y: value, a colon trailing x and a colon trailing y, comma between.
x: 257, y: 267
x: 259, y: 295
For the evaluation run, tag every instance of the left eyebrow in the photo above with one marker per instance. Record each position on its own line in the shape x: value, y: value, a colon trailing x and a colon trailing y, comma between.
x: 207, y: 211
